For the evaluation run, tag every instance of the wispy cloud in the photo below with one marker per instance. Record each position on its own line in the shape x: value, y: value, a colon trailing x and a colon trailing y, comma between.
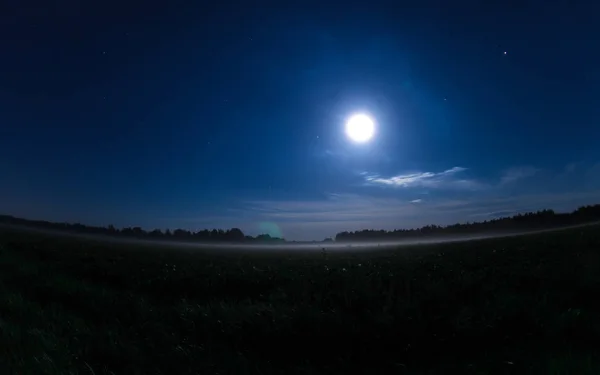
x: 517, y: 173
x: 496, y: 214
x: 447, y: 179
x: 416, y: 201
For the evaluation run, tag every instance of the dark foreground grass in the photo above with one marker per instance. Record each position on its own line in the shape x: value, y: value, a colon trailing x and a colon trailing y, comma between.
x: 522, y: 305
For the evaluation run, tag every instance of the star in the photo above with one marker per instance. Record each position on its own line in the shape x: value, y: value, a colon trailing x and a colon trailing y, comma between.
x: 505, y: 52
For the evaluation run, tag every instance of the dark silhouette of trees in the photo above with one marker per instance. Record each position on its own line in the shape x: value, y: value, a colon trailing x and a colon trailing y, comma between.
x: 528, y: 221
x: 235, y: 234
x: 205, y: 235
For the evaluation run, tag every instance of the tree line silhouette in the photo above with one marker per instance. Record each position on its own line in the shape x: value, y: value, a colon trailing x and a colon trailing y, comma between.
x: 205, y: 235
x: 544, y: 219
x: 529, y: 221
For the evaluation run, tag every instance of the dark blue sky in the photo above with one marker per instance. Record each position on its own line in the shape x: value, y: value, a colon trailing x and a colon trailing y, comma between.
x: 233, y: 115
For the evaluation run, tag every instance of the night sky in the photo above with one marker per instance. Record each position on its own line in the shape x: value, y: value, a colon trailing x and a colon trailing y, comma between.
x: 168, y: 115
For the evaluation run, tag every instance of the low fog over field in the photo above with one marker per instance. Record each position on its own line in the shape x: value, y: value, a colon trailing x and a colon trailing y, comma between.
x: 292, y: 246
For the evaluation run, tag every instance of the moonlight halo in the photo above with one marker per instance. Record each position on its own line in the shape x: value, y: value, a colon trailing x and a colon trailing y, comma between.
x: 360, y: 128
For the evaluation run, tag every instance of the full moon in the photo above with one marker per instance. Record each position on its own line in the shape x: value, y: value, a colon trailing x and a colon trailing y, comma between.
x: 360, y: 128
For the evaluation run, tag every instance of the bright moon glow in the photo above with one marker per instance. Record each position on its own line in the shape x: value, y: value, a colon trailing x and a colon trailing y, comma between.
x: 360, y: 128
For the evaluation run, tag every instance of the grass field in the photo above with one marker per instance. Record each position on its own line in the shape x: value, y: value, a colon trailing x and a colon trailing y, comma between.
x: 521, y: 305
